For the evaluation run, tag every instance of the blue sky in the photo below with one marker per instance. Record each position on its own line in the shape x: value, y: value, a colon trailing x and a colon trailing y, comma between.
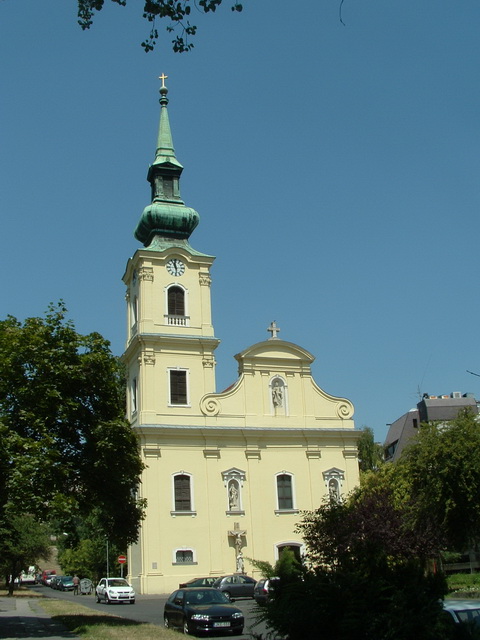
x: 335, y: 170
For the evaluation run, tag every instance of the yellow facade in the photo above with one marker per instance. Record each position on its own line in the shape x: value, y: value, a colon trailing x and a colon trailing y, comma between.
x: 227, y: 474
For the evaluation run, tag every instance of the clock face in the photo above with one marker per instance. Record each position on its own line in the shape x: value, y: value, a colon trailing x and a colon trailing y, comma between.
x: 175, y: 267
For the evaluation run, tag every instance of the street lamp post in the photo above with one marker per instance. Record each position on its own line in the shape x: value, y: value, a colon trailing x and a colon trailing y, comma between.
x: 108, y: 567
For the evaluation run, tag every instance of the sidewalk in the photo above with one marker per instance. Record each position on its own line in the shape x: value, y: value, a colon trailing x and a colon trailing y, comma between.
x: 25, y: 618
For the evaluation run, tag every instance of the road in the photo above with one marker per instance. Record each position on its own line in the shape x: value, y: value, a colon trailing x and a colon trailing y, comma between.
x: 150, y: 608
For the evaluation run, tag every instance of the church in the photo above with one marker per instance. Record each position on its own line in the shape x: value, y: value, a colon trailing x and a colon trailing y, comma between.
x: 227, y: 474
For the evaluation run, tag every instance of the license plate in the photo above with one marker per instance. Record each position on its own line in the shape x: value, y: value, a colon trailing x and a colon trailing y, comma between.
x: 221, y: 624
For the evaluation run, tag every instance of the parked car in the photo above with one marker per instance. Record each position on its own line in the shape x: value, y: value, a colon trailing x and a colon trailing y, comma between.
x: 263, y: 590
x: 28, y: 577
x: 202, y: 610
x: 112, y: 590
x: 47, y: 576
x: 54, y: 581
x: 197, y: 582
x: 464, y: 611
x: 64, y: 583
x: 236, y: 585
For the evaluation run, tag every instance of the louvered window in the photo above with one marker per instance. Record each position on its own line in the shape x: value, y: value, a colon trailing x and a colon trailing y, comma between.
x: 284, y: 491
x: 183, y: 500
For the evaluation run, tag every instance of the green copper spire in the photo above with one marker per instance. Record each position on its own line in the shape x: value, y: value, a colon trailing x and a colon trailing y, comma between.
x: 167, y: 217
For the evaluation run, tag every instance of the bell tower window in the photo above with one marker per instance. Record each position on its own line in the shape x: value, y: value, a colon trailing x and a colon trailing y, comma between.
x: 176, y: 306
x: 176, y: 301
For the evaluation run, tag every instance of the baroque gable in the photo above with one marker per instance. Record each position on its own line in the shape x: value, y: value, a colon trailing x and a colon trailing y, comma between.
x: 276, y: 388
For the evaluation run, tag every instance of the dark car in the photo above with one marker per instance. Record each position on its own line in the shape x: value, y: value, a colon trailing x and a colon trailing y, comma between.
x: 202, y: 610
x: 64, y: 583
x: 197, y: 582
x: 54, y: 582
x: 236, y: 585
x: 264, y: 589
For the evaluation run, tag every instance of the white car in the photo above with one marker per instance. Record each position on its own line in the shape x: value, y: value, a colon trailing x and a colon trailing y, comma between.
x: 114, y: 590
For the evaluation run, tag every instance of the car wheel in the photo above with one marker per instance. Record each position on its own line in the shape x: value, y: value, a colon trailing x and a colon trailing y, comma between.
x: 107, y: 599
x: 237, y: 632
x: 132, y: 601
x: 186, y: 630
x: 166, y: 622
x: 98, y: 599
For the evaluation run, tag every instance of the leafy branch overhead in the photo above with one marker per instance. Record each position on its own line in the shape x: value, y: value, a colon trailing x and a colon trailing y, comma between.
x: 175, y: 12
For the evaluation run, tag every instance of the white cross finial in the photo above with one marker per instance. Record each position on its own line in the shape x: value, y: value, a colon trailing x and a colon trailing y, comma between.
x: 273, y: 330
x: 163, y: 77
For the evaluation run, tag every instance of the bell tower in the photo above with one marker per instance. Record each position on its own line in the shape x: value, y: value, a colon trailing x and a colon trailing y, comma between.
x: 169, y: 353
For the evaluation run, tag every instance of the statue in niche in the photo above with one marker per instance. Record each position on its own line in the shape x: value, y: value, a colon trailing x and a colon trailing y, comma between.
x: 277, y: 393
x: 233, y: 497
x: 333, y: 490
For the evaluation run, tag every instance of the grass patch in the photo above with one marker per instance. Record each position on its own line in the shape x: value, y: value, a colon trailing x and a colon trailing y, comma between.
x: 94, y: 625
x: 20, y: 592
x: 464, y: 585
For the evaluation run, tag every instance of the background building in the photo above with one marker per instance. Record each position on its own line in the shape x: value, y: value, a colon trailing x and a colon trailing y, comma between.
x: 227, y: 474
x: 429, y: 409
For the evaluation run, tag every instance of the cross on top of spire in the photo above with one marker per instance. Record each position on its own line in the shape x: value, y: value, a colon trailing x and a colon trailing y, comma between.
x: 273, y: 330
x: 163, y: 77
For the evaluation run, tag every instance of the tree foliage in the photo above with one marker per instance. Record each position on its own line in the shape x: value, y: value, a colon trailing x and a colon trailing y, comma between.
x: 369, y: 570
x: 440, y: 472
x: 370, y: 453
x: 364, y: 577
x: 67, y: 448
x: 84, y: 552
x: 175, y: 12
x: 23, y: 542
x: 370, y: 529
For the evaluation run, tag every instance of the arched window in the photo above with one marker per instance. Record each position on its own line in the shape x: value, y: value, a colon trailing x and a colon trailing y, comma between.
x: 176, y: 301
x: 134, y: 395
x: 182, y: 492
x: 295, y: 547
x: 284, y: 491
x: 134, y: 312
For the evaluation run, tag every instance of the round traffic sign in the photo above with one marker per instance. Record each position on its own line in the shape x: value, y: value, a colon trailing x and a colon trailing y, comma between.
x: 122, y: 559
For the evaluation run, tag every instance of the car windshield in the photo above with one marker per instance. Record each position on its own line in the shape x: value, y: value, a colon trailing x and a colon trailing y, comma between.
x: 117, y: 582
x: 210, y: 596
x: 469, y: 615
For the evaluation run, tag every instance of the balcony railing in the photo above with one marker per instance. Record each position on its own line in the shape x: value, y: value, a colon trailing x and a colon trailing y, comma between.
x: 178, y: 321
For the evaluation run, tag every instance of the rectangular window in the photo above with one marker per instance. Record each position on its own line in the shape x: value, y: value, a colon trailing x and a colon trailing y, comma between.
x: 284, y: 492
x: 178, y: 387
x: 184, y: 556
x: 183, y: 500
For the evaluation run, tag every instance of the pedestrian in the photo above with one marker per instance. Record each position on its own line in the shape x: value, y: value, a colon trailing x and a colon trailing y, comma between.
x: 76, y: 582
